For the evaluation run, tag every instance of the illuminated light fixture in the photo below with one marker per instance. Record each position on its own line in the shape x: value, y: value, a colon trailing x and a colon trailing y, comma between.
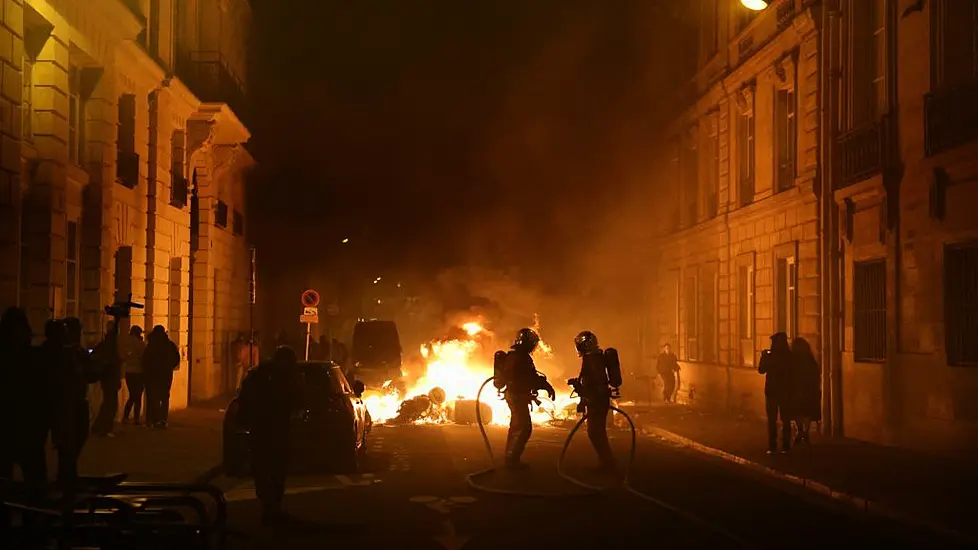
x: 755, y: 5
x: 344, y: 241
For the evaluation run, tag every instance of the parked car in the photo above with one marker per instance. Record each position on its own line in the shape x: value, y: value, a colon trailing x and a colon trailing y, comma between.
x: 328, y: 431
x: 376, y: 352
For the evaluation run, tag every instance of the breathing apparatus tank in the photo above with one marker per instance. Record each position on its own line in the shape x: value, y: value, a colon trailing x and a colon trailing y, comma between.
x: 499, y: 361
x: 613, y: 364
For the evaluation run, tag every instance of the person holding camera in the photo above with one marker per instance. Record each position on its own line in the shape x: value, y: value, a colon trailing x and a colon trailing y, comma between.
x: 778, y: 367
x: 600, y: 377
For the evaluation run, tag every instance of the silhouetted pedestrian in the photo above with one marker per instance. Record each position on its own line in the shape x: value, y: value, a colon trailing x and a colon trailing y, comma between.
x: 160, y: 359
x: 667, y: 365
x: 70, y: 431
x: 23, y: 405
x: 132, y: 365
x: 777, y: 364
x: 807, y: 389
x: 267, y: 398
x: 108, y: 358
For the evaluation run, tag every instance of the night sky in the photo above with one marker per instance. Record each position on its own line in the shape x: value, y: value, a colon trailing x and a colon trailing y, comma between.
x: 455, y: 132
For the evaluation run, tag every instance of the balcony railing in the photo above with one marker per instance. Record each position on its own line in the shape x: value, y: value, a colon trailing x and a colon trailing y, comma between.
x: 179, y: 191
x: 863, y: 151
x: 950, y: 118
x: 209, y: 75
x: 127, y: 169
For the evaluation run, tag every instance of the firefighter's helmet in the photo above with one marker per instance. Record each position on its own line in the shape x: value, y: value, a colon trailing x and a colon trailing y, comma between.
x: 586, y: 343
x: 526, y: 340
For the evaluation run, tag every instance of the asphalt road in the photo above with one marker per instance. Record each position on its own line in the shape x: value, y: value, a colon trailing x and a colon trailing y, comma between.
x: 413, y: 494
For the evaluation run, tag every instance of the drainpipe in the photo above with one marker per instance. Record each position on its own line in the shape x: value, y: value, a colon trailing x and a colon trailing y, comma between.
x: 829, y: 249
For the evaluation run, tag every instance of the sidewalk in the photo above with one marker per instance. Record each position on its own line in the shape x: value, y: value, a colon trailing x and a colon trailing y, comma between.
x: 928, y: 490
x: 183, y: 453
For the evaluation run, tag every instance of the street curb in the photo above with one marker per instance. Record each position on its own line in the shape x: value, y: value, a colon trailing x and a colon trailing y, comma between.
x: 209, y: 475
x: 864, y: 505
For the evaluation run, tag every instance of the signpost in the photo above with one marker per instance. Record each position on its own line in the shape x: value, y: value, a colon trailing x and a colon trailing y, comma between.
x: 310, y: 314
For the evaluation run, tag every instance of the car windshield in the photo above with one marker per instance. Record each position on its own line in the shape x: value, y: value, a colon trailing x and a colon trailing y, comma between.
x: 320, y: 376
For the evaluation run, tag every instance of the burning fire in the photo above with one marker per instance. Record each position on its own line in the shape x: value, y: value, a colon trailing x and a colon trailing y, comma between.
x: 453, y: 371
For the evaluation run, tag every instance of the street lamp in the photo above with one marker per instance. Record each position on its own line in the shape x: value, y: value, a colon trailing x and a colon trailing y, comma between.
x: 755, y: 5
x: 346, y: 240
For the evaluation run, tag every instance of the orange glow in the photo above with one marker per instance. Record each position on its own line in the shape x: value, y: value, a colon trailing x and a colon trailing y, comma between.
x: 459, y: 367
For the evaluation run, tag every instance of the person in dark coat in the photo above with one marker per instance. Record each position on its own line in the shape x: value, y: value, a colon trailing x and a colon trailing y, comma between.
x: 160, y: 359
x: 267, y: 398
x: 25, y: 400
x: 109, y: 361
x: 70, y: 430
x: 667, y: 366
x: 777, y: 366
x: 808, y: 389
x: 520, y: 382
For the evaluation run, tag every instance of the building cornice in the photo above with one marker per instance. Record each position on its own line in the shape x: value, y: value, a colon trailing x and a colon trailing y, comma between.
x: 228, y: 128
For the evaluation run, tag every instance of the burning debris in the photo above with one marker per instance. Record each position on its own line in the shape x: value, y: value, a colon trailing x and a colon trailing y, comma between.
x: 453, y: 371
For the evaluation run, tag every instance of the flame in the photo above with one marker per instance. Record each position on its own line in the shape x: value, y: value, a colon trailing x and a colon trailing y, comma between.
x: 458, y: 367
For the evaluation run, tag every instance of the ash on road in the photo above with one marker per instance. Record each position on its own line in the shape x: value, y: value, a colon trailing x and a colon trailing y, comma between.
x: 413, y: 494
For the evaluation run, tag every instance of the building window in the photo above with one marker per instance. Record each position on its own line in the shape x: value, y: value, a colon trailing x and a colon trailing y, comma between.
x: 127, y: 165
x: 690, y: 170
x: 237, y: 223
x: 27, y: 101
x: 745, y: 315
x: 786, y: 296
x: 76, y: 116
x: 745, y: 156
x: 690, y: 324
x: 179, y: 187
x: 221, y: 214
x: 868, y: 60
x: 72, y: 274
x: 787, y: 137
x: 675, y: 178
x: 955, y: 49
x: 706, y: 336
x: 869, y: 310
x: 961, y: 304
x: 712, y: 172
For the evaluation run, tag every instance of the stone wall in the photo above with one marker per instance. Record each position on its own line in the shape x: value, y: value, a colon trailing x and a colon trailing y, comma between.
x: 703, y: 322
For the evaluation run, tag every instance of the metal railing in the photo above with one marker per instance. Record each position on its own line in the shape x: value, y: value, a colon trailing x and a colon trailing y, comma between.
x: 106, y: 513
x: 862, y: 152
x: 210, y: 76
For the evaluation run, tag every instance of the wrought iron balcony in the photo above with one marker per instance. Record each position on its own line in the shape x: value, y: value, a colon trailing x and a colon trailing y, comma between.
x: 127, y: 169
x: 863, y: 151
x: 209, y: 75
x: 950, y: 118
x: 786, y: 12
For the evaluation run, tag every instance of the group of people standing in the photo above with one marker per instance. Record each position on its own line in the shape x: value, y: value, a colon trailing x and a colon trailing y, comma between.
x: 44, y: 391
x: 792, y: 390
x: 148, y: 370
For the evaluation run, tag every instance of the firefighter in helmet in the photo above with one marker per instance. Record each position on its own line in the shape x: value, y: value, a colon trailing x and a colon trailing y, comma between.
x: 600, y: 377
x: 517, y: 376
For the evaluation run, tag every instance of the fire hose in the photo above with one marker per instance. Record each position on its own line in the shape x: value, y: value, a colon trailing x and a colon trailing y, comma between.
x: 587, y: 488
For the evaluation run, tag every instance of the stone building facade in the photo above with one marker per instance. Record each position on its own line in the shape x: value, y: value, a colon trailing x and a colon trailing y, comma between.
x: 123, y: 159
x: 739, y: 260
x: 806, y: 150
